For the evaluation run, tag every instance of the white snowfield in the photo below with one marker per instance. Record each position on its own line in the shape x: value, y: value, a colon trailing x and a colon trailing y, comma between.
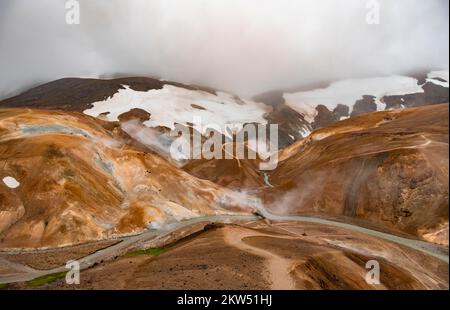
x: 171, y: 105
x: 11, y: 182
x: 347, y: 92
x: 440, y: 75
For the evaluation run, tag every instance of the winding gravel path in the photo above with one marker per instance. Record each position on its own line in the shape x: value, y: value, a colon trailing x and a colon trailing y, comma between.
x: 277, y: 266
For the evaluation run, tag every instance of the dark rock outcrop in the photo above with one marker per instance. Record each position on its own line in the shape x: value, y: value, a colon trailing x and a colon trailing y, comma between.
x: 365, y: 105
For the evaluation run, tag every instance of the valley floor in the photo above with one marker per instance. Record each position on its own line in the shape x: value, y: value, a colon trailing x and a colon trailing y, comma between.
x: 250, y: 254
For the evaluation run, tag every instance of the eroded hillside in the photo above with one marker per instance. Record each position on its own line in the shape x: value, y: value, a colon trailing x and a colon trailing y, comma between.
x: 80, y: 181
x: 387, y: 168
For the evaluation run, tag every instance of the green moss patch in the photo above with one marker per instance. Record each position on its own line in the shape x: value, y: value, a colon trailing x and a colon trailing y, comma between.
x: 50, y: 278
x: 151, y: 251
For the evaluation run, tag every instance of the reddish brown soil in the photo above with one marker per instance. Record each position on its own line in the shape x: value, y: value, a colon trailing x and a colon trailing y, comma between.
x: 262, y: 256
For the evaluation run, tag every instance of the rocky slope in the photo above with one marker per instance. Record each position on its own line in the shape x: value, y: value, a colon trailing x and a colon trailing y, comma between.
x: 234, y: 173
x: 386, y: 168
x: 79, y: 179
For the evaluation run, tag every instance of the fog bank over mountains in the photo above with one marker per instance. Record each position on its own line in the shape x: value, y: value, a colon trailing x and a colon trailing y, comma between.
x: 246, y: 47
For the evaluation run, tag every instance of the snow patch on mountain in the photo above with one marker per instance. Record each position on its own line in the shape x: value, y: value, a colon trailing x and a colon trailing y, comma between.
x: 434, y: 77
x: 347, y: 92
x: 11, y: 182
x: 171, y: 105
